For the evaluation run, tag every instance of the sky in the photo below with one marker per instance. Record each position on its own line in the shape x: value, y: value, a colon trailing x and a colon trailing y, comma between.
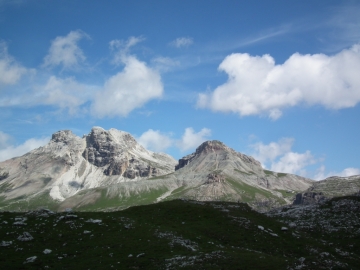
x: 277, y: 80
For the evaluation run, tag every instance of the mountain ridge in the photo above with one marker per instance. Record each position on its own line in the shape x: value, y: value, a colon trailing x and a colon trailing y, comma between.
x: 109, y: 170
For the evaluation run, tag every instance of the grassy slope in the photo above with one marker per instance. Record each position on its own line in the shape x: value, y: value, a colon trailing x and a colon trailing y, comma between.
x: 210, y: 235
x: 118, y: 203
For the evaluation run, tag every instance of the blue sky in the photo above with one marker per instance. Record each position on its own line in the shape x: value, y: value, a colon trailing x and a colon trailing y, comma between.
x: 278, y: 80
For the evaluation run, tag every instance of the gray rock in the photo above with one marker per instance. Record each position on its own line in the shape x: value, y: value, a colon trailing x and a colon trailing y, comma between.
x: 30, y: 259
x: 292, y: 224
x: 5, y: 243
x: 25, y: 237
x: 309, y: 198
x: 47, y: 251
x: 98, y: 221
x: 115, y: 150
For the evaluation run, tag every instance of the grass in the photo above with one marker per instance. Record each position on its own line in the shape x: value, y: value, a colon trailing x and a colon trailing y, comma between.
x: 23, y: 203
x: 117, y: 203
x: 211, y: 235
x: 248, y: 192
x: 285, y: 193
x: 243, y: 172
x: 267, y: 172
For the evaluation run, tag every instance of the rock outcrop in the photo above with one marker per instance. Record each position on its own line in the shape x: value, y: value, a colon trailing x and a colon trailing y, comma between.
x: 120, y: 154
x: 309, y: 198
x: 331, y: 187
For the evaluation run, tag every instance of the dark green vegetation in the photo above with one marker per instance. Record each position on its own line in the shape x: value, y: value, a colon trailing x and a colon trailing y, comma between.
x: 170, y: 235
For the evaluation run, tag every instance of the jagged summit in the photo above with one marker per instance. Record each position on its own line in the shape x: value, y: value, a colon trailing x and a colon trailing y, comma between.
x: 62, y: 136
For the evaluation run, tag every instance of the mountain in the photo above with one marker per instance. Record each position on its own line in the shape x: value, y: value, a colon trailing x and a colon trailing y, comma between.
x: 109, y: 170
x: 69, y: 164
x: 214, y: 172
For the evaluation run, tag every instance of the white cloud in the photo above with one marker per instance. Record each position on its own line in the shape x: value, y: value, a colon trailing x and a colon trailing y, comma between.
x: 164, y: 64
x: 129, y: 89
x: 182, y: 42
x: 278, y: 157
x: 10, y: 70
x: 64, y: 50
x: 155, y: 140
x: 63, y: 93
x: 122, y: 48
x: 321, y: 174
x: 293, y: 162
x: 4, y: 139
x: 8, y: 151
x: 257, y: 86
x: 269, y: 152
x: 191, y: 139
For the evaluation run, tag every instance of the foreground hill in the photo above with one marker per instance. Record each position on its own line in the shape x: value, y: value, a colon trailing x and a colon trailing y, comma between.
x: 184, y: 234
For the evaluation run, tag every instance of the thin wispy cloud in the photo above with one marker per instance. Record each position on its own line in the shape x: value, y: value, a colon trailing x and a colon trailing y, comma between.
x: 182, y: 42
x: 64, y: 51
x: 263, y: 36
x: 10, y: 70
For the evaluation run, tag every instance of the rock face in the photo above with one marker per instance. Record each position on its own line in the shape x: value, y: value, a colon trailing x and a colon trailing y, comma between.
x: 309, y: 198
x: 334, y: 186
x: 117, y: 151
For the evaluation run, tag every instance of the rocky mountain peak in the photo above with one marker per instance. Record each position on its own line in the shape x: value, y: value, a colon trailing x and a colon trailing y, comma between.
x: 119, y: 153
x: 103, y: 147
x: 219, y: 149
x: 63, y: 136
x: 211, y: 146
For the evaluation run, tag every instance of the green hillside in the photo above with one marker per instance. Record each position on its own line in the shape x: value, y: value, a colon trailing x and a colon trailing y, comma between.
x: 175, y: 234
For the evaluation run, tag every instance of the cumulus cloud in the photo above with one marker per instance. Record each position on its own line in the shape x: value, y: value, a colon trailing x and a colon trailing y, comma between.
x: 278, y: 157
x: 256, y: 85
x: 10, y: 70
x: 182, y: 42
x: 129, y: 89
x: 64, y: 50
x: 321, y: 173
x: 8, y: 151
x: 155, y: 140
x: 192, y: 139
